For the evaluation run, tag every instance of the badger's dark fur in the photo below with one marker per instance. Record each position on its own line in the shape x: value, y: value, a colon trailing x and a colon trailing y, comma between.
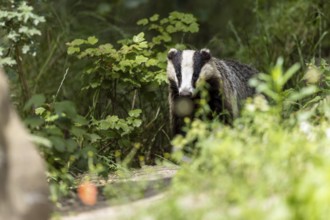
x: 227, y: 80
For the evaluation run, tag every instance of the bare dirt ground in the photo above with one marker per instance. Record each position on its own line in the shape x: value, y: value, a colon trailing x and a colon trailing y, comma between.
x: 121, y: 194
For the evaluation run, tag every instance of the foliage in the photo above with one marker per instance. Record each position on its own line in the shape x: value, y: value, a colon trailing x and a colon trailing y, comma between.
x: 117, y: 84
x: 263, y: 167
x: 132, y: 75
x: 19, y: 27
x: 109, y: 108
x: 295, y: 30
x: 272, y: 85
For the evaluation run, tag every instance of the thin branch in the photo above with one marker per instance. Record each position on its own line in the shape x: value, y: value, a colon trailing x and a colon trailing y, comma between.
x: 21, y: 74
x: 59, y: 88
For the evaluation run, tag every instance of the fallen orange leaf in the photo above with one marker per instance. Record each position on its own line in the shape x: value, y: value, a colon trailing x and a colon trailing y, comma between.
x: 87, y: 193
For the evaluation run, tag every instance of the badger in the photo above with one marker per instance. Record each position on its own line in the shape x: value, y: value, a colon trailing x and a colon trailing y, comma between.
x: 227, y: 82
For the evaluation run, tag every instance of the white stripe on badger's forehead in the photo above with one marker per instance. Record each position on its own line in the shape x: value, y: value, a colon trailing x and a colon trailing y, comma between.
x: 187, y: 70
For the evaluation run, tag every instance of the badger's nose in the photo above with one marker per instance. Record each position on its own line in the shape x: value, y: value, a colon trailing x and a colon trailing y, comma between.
x: 185, y: 93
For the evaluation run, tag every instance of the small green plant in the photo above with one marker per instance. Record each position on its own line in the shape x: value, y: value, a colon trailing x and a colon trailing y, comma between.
x: 73, y: 140
x: 132, y: 75
x: 19, y: 26
x: 273, y: 85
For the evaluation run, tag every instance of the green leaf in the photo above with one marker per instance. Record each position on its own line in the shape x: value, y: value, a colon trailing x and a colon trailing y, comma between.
x: 72, y: 50
x: 304, y: 92
x: 170, y: 29
x: 137, y: 122
x: 109, y: 122
x: 155, y: 17
x: 151, y: 62
x: 34, y: 122
x: 92, y: 40
x: 51, y: 118
x: 106, y: 49
x: 58, y: 143
x: 95, y: 85
x: 193, y: 28
x: 80, y: 120
x: 143, y: 22
x: 35, y: 101
x: 71, y: 145
x: 135, y: 113
x: 76, y: 42
x: 54, y: 131
x: 94, y: 137
x: 78, y: 132
x: 164, y: 21
x: 290, y: 72
x: 40, y: 110
x: 138, y: 38
x: 143, y: 45
x: 66, y: 107
x: 141, y: 59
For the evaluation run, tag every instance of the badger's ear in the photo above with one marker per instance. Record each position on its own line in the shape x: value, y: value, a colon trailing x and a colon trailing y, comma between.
x: 171, y: 53
x: 206, y: 54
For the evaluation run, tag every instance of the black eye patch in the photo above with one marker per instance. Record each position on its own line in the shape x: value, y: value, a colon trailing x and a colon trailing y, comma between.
x: 176, y: 60
x: 199, y: 62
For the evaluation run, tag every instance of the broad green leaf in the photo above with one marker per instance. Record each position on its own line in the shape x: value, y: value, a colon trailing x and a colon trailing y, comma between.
x: 52, y: 118
x: 155, y: 17
x: 137, y: 122
x: 76, y: 42
x: 138, y: 38
x: 33, y: 122
x: 78, y: 132
x: 66, y: 107
x: 80, y: 120
x: 193, y: 28
x: 71, y: 145
x: 106, y: 48
x: 72, y: 50
x: 143, y: 44
x: 58, y: 143
x: 135, y: 113
x: 92, y: 40
x: 151, y: 62
x: 143, y: 22
x: 94, y: 137
x: 140, y: 59
x: 40, y: 110
x: 35, y: 101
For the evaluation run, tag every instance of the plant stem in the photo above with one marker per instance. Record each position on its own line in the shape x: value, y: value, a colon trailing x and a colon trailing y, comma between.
x: 21, y: 74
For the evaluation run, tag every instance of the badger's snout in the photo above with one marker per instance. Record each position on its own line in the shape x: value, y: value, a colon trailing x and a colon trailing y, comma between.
x: 185, y: 93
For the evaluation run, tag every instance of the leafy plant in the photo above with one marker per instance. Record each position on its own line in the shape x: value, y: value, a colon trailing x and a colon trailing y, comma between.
x: 132, y: 75
x: 273, y: 86
x: 124, y: 86
x: 19, y: 28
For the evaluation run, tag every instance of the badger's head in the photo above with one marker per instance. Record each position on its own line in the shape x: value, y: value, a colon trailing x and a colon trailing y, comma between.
x: 185, y: 68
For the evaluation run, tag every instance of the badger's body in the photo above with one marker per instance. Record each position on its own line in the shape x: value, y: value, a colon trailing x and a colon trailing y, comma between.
x: 227, y: 80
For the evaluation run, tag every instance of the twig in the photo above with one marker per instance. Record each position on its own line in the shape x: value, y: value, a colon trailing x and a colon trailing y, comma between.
x: 59, y: 88
x: 21, y: 74
x: 134, y: 99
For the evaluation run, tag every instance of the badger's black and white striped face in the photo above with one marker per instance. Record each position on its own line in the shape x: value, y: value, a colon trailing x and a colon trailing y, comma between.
x: 184, y: 68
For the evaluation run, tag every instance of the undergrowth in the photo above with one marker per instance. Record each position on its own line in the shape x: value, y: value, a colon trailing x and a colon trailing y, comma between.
x: 95, y: 99
x: 268, y: 165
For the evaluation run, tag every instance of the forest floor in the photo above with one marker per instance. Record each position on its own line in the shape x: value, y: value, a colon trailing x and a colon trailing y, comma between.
x: 120, y: 195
